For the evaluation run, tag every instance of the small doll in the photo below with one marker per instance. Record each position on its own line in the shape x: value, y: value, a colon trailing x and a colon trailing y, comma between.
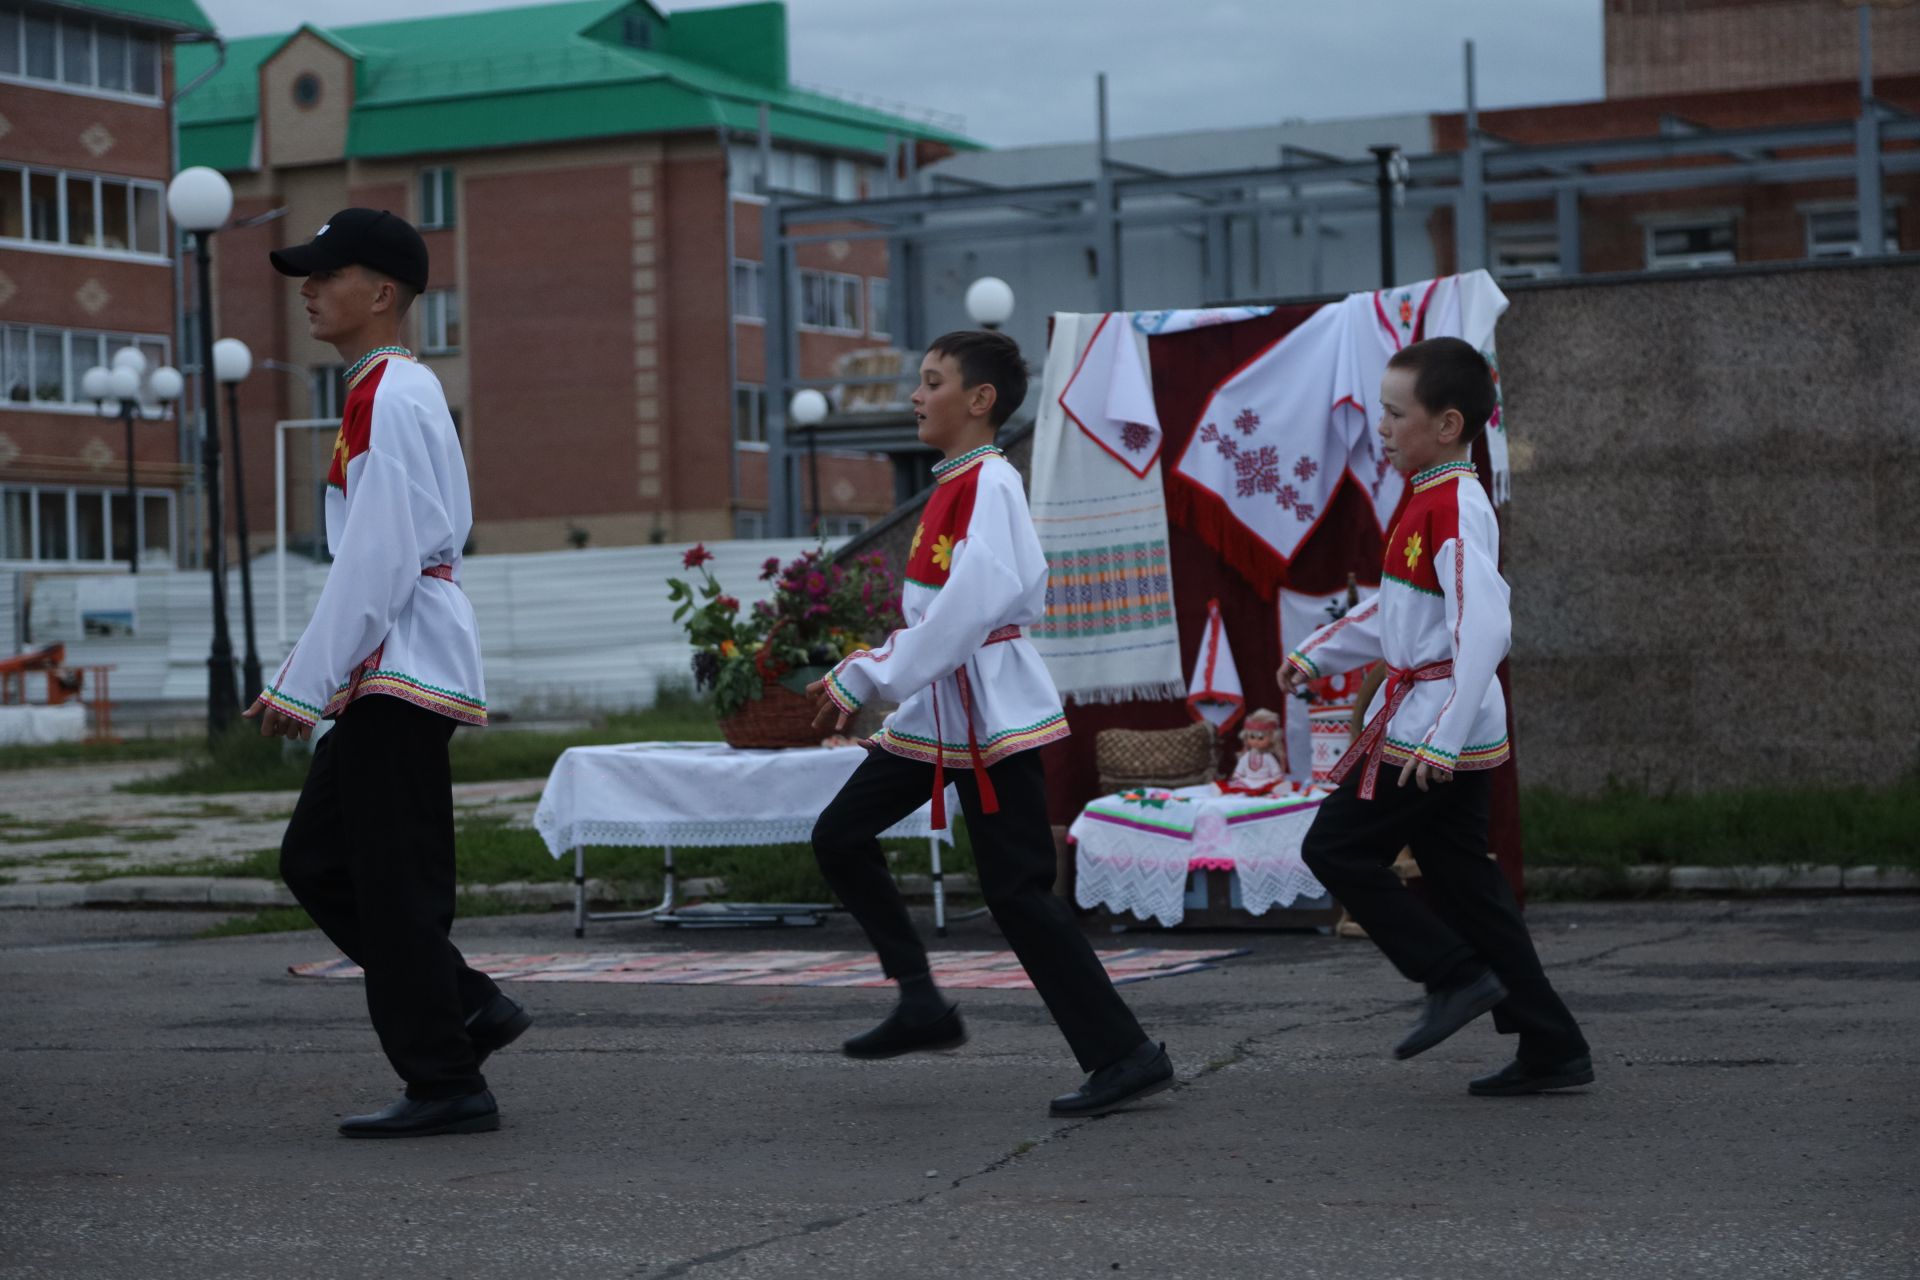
x: 1260, y: 767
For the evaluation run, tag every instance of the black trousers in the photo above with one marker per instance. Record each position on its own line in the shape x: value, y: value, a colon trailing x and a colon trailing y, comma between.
x: 369, y: 854
x: 1013, y: 852
x: 1471, y: 914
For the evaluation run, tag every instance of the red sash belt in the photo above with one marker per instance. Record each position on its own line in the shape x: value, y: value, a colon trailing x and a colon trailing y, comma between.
x: 444, y: 572
x: 1372, y: 743
x: 989, y: 800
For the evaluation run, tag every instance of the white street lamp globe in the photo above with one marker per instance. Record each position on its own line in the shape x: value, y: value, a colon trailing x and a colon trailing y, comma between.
x: 990, y: 301
x: 110, y: 407
x: 131, y: 358
x: 166, y: 383
x: 123, y: 382
x: 94, y: 384
x: 200, y: 198
x: 232, y: 362
x: 808, y: 408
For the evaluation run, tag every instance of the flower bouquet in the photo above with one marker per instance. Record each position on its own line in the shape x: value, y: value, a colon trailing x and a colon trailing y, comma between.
x: 759, y: 663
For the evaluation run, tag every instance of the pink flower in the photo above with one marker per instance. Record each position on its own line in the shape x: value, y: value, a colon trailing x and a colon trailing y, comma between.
x: 696, y: 557
x: 729, y: 604
x: 771, y: 569
x: 818, y: 611
x: 816, y: 584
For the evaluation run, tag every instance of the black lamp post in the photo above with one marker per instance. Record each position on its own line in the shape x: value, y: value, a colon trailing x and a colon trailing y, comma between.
x: 232, y: 361
x: 125, y: 384
x: 200, y: 200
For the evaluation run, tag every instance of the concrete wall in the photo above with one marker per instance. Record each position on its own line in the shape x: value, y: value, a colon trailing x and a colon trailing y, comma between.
x: 1715, y: 509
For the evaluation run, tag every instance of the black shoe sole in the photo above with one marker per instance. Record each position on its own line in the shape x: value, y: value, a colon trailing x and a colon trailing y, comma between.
x: 510, y: 1030
x: 1535, y: 1084
x: 1158, y: 1086
x: 931, y: 1046
x: 1410, y: 1048
x: 471, y: 1124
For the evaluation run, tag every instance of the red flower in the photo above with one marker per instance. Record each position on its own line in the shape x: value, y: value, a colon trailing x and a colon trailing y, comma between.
x: 696, y: 557
x: 771, y: 569
x: 816, y: 584
x: 729, y: 604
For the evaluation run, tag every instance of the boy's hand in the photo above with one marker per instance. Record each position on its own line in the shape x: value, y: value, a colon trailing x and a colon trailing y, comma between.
x: 1424, y: 774
x: 1292, y: 679
x: 276, y: 724
x: 826, y: 712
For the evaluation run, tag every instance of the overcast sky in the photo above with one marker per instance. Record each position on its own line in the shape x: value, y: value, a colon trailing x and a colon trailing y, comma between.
x: 1021, y: 71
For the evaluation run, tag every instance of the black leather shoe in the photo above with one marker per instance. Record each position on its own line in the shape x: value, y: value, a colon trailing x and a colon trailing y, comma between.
x: 496, y: 1025
x: 1517, y: 1078
x: 424, y: 1117
x: 1450, y: 1009
x: 1142, y: 1073
x: 897, y: 1035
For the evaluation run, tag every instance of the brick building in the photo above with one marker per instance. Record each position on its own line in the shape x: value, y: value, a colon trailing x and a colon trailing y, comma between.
x: 1687, y: 46
x: 587, y: 177
x: 86, y: 148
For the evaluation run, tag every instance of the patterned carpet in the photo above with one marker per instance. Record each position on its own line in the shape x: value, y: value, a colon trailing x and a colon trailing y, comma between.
x: 996, y: 970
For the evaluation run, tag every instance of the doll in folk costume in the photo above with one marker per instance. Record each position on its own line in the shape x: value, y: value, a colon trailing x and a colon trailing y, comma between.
x: 1260, y: 767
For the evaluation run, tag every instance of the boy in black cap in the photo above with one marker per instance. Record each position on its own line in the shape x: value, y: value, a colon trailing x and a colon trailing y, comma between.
x: 369, y: 852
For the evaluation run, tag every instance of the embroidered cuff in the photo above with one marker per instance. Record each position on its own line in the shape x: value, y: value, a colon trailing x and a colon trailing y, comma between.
x: 292, y: 708
x: 1438, y: 758
x: 840, y: 695
x: 1303, y: 663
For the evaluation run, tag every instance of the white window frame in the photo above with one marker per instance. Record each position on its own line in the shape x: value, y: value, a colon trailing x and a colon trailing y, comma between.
x: 1529, y: 239
x: 67, y: 494
x: 843, y: 524
x: 1810, y: 214
x: 327, y: 390
x: 743, y: 432
x: 137, y: 39
x: 836, y: 284
x: 72, y: 366
x: 880, y: 312
x: 1651, y: 227
x: 444, y: 211
x: 435, y: 304
x: 61, y: 177
x: 750, y: 292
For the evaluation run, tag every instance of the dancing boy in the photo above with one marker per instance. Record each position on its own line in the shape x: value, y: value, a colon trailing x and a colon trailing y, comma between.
x: 1441, y: 623
x: 369, y: 852
x: 974, y: 699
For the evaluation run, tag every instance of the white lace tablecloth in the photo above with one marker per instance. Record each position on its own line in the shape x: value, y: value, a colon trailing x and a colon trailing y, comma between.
x: 1134, y: 850
x: 698, y: 794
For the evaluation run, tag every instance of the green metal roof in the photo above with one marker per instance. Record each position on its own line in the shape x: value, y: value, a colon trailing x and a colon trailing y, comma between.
x: 180, y: 15
x: 545, y: 73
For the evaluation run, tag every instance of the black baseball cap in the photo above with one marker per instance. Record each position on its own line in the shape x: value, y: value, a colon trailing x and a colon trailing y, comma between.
x: 372, y: 238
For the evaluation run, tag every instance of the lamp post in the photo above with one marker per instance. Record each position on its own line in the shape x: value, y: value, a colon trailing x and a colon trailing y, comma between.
x: 123, y: 389
x: 232, y: 362
x: 990, y: 301
x: 807, y: 410
x: 200, y: 200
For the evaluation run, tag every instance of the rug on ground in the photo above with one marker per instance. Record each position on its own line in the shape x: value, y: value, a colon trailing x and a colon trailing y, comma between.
x: 995, y: 970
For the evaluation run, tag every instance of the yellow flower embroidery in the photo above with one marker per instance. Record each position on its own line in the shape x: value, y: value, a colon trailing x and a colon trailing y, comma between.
x: 1413, y: 552
x: 918, y: 533
x: 943, y: 553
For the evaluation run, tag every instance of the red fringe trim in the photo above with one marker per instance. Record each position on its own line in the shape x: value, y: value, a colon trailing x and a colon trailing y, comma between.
x: 1205, y: 513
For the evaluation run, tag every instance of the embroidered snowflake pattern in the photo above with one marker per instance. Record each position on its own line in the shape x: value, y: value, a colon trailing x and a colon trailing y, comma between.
x: 1246, y: 420
x: 1287, y: 496
x: 1303, y: 512
x: 1306, y: 468
x: 1211, y: 434
x: 1135, y: 436
x: 1256, y: 471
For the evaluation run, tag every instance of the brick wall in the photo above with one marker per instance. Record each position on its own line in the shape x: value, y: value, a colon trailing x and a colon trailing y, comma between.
x: 1657, y: 46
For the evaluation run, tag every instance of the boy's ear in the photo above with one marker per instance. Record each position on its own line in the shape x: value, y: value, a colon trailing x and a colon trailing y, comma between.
x: 1452, y: 423
x: 980, y: 400
x: 386, y: 295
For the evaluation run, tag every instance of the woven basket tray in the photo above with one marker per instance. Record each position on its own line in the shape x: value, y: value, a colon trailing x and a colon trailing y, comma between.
x: 779, y: 718
x: 1154, y: 757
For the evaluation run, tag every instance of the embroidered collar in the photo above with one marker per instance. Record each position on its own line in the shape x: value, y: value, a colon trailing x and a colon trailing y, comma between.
x: 954, y: 468
x: 365, y: 363
x: 1441, y: 474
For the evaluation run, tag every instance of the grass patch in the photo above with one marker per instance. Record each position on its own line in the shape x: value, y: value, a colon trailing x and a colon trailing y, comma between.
x: 261, y: 864
x: 244, y: 761
x: 54, y: 754
x: 151, y: 835
x: 296, y: 919
x: 1626, y: 825
x: 79, y: 829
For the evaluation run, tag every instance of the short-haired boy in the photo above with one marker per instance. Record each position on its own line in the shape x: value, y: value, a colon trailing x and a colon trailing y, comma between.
x: 976, y: 699
x: 1441, y: 623
x: 369, y: 852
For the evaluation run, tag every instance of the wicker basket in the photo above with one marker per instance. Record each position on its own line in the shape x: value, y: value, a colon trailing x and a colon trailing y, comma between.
x: 1129, y: 758
x: 778, y: 718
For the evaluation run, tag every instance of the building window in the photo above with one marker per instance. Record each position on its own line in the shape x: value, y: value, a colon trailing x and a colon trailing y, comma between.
x: 879, y: 321
x: 436, y: 197
x: 327, y: 384
x: 84, y: 525
x: 440, y: 321
x: 306, y: 91
x: 809, y: 173
x: 81, y: 211
x: 78, y: 53
x: 1835, y: 233
x: 749, y: 524
x: 749, y: 413
x: 42, y: 367
x: 841, y: 526
x: 830, y: 302
x: 846, y: 179
x: 1682, y: 246
x: 1525, y: 253
x: 749, y: 291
